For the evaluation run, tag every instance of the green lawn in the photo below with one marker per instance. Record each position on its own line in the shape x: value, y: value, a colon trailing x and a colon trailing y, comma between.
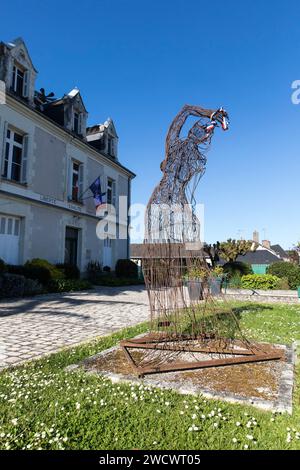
x: 44, y: 407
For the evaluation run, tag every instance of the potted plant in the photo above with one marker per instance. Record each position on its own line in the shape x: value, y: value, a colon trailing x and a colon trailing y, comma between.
x: 194, y: 281
x: 215, y: 280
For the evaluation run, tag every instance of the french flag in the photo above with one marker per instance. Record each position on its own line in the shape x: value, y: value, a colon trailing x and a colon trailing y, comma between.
x: 97, y: 193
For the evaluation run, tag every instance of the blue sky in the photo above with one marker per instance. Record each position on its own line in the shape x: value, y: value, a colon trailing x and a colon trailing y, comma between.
x: 140, y: 61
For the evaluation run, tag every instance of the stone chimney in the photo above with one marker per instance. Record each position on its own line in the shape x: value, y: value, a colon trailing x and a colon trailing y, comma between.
x: 256, y: 236
x: 266, y: 244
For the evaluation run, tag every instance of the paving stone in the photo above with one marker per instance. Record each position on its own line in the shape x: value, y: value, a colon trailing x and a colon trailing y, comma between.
x: 49, y: 323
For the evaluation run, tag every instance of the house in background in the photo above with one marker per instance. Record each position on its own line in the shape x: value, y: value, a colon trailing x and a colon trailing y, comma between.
x: 265, y: 255
x: 48, y: 160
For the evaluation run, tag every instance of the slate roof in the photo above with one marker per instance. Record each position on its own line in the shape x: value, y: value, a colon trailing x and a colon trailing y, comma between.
x: 258, y: 257
x: 279, y: 251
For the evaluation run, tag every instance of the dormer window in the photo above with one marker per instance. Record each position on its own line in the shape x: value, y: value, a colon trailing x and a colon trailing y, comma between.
x: 77, y: 123
x: 110, y: 146
x: 19, y: 83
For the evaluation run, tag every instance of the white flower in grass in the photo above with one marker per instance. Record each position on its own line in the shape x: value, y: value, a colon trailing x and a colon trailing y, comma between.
x: 237, y: 423
x: 14, y: 421
x: 246, y: 446
x: 194, y: 416
x: 157, y: 411
x: 234, y: 440
x: 216, y: 425
x: 154, y: 443
x: 182, y: 412
x: 250, y: 437
x: 167, y: 403
x: 193, y: 428
x: 203, y: 416
x: 77, y: 406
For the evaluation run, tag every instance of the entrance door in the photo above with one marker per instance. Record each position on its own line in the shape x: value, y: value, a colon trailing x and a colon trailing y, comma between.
x: 71, y: 246
x: 10, y: 238
x: 107, y: 252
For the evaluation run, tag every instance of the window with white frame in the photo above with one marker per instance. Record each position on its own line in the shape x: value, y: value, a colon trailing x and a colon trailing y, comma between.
x: 19, y: 83
x: 111, y: 191
x: 76, y: 184
x: 15, y: 156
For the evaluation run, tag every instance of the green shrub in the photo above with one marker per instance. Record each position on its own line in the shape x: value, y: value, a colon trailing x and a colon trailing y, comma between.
x: 16, y: 269
x: 12, y: 285
x: 94, y: 270
x: 286, y: 270
x: 126, y: 268
x: 69, y: 271
x: 32, y: 287
x: 3, y: 267
x: 68, y: 285
x: 36, y: 269
x: 235, y: 282
x: 237, y: 268
x: 283, y: 284
x: 259, y: 281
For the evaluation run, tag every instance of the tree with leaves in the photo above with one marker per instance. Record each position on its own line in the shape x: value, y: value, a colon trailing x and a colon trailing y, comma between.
x: 229, y: 250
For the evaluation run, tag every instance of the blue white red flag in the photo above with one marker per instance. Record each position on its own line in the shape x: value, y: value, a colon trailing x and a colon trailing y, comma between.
x: 97, y: 193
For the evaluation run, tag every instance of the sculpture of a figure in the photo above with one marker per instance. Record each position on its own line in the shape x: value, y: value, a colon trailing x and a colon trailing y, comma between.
x: 184, y: 320
x: 168, y: 214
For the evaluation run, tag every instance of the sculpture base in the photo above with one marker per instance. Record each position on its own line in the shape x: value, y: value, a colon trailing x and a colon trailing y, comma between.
x: 229, y: 352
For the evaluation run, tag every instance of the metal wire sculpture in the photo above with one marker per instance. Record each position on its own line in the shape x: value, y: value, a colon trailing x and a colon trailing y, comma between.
x: 185, y: 318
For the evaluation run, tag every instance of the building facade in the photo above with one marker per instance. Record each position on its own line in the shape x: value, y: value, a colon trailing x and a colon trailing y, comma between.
x: 48, y: 160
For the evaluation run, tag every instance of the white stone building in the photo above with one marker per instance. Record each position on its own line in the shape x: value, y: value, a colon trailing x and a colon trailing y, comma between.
x: 48, y: 160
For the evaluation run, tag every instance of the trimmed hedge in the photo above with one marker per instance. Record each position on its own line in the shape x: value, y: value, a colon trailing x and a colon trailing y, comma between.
x: 126, y: 268
x: 42, y: 271
x: 288, y: 271
x: 12, y: 285
x: 69, y: 271
x: 260, y: 281
x: 237, y: 268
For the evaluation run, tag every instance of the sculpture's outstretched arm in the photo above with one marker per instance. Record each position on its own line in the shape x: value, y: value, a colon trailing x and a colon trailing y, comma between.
x: 179, y: 120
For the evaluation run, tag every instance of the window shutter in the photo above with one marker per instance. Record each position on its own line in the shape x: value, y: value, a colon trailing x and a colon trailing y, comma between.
x: 81, y: 124
x: 3, y: 146
x: 113, y: 147
x: 113, y: 199
x: 80, y: 182
x: 69, y: 178
x: 26, y: 84
x: 24, y: 158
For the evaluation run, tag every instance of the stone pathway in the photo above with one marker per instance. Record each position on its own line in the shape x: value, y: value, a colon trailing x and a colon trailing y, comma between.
x: 30, y: 328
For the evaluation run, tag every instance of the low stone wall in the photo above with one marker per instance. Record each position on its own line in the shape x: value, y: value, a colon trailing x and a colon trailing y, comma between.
x: 263, y: 296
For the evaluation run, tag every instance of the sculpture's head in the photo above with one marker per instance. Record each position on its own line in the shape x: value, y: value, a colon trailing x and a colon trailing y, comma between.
x: 221, y: 116
x: 202, y: 130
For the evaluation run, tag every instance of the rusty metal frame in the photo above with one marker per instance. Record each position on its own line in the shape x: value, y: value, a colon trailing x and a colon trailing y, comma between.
x: 245, y: 356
